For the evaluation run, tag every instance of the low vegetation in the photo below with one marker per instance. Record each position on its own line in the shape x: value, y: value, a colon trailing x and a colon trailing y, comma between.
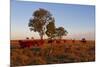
x: 66, y: 51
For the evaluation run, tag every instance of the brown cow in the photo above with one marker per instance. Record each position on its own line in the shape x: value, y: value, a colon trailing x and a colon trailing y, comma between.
x: 30, y: 43
x: 24, y: 44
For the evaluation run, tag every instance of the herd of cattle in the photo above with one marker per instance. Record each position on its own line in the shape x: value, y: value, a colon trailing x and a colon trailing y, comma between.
x: 31, y: 43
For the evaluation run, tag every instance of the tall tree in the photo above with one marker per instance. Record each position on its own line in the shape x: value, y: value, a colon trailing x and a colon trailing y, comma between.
x: 60, y: 31
x: 39, y: 20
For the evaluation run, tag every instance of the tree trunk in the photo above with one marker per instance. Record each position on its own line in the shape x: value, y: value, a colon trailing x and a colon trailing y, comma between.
x: 41, y: 37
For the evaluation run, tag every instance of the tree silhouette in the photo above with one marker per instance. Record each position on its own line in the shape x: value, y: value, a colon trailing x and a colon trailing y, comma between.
x: 39, y: 20
x: 60, y: 31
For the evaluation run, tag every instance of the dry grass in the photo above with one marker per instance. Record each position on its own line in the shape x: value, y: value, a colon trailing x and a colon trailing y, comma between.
x: 65, y: 52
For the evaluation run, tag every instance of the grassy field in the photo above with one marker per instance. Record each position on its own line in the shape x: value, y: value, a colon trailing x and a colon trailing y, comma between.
x: 53, y: 53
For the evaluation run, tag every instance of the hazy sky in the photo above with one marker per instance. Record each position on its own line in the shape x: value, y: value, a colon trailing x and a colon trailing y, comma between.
x: 78, y: 20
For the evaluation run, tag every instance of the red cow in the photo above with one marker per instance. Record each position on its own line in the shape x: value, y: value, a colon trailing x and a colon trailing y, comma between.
x: 39, y: 42
x: 58, y: 41
x: 50, y: 41
x: 30, y: 43
x: 24, y: 44
x: 64, y: 41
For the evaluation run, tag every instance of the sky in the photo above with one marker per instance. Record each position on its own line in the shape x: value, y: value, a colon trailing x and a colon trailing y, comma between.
x: 78, y: 20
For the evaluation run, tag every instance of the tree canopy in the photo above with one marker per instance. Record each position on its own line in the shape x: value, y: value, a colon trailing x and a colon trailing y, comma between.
x: 39, y: 20
x: 50, y: 29
x: 43, y: 22
x: 60, y: 31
